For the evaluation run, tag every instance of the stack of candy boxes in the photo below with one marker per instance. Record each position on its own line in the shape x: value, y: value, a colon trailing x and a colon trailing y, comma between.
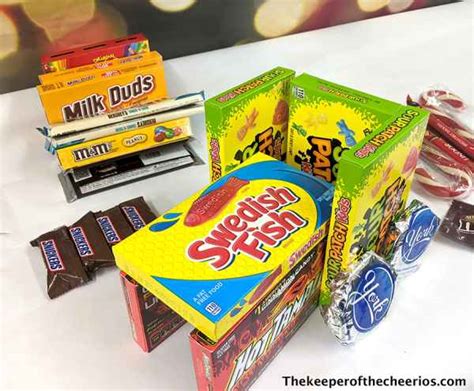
x: 85, y: 92
x: 256, y: 251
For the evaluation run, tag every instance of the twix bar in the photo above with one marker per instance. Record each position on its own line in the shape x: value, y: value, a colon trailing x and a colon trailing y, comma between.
x: 103, y: 93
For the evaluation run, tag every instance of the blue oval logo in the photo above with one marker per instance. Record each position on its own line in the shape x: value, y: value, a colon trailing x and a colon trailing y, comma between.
x: 422, y: 227
x: 372, y: 296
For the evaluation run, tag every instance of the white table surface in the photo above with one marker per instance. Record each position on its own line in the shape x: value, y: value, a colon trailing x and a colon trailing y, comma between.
x: 82, y: 340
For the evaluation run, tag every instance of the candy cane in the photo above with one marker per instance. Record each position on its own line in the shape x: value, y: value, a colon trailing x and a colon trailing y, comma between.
x: 447, y: 120
x: 438, y: 145
x: 461, y: 182
x: 447, y: 98
x: 457, y: 135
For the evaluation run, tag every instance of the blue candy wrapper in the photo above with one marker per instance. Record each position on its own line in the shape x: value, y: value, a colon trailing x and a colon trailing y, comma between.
x: 360, y: 298
x: 414, y: 228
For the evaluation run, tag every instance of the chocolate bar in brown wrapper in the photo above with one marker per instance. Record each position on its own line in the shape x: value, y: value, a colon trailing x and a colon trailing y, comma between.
x: 90, y: 243
x: 137, y: 212
x: 64, y: 267
x: 113, y: 225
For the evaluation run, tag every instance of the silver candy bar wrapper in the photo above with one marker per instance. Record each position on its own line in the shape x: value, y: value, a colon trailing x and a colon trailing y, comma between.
x: 360, y: 298
x: 411, y: 233
x: 102, y: 176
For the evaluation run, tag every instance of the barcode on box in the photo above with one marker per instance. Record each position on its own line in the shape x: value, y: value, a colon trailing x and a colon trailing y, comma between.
x: 298, y: 92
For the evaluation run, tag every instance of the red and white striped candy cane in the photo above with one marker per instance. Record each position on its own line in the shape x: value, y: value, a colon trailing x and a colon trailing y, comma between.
x: 447, y: 127
x: 444, y: 97
x: 438, y: 145
x: 458, y: 176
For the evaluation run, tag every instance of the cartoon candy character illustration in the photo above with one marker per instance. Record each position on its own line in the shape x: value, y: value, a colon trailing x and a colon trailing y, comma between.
x: 249, y: 124
x: 280, y: 116
x: 346, y: 132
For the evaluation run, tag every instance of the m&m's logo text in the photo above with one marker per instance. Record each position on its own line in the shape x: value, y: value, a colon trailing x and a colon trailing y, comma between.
x: 108, y: 229
x: 258, y: 222
x: 80, y: 240
x: 51, y: 254
x: 133, y: 217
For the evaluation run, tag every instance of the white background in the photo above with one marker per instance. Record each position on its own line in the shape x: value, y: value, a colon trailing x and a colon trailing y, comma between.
x: 82, y: 340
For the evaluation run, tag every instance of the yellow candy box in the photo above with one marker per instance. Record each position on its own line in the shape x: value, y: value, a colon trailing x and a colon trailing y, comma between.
x: 213, y: 257
x: 102, y: 92
x: 150, y: 135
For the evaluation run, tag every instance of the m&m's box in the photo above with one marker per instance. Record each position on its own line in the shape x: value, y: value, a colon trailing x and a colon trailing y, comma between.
x: 149, y: 135
x: 212, y: 258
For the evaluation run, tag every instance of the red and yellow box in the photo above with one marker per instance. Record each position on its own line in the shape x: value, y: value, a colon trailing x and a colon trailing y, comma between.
x: 95, y: 52
x: 151, y: 320
x: 99, y: 93
x: 238, y: 358
x: 70, y: 77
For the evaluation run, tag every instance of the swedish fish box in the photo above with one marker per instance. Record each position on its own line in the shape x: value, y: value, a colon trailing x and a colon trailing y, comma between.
x: 109, y: 91
x: 374, y: 179
x: 149, y: 135
x: 249, y: 118
x: 81, y: 74
x: 327, y: 119
x: 238, y: 358
x: 213, y: 257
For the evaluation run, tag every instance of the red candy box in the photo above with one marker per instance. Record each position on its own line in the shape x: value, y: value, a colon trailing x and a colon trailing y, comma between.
x: 96, y: 52
x: 152, y: 321
x: 243, y: 353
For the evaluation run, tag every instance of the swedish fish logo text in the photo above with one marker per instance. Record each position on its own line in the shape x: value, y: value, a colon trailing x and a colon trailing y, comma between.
x: 257, y: 222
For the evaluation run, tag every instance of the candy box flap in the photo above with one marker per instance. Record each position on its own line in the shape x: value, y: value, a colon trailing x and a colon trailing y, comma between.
x: 319, y: 86
x: 213, y: 256
x: 407, y: 120
x: 249, y: 87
